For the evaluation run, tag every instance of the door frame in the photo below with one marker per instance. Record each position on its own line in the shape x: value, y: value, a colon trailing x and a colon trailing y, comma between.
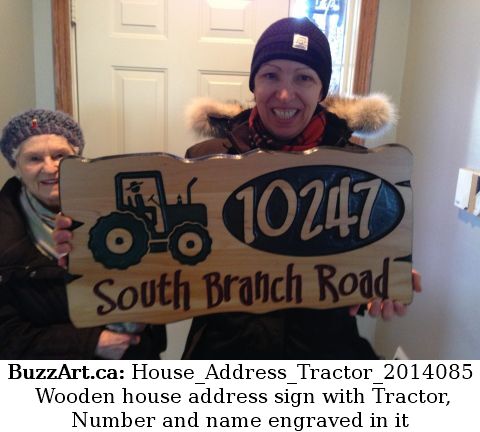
x: 63, y: 59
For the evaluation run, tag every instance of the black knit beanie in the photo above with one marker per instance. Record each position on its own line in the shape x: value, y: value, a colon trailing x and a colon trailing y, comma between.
x: 297, y: 39
x: 39, y: 122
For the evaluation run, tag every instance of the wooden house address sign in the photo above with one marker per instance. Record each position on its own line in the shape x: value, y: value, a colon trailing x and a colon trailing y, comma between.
x: 160, y: 238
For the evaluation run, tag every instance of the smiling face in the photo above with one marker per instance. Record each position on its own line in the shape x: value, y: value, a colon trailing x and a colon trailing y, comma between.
x: 286, y: 94
x: 37, y: 165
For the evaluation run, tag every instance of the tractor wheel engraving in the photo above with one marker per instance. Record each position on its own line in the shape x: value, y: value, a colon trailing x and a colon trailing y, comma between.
x: 190, y: 243
x: 118, y: 240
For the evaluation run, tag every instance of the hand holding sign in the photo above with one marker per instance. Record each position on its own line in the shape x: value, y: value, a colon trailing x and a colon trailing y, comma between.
x: 387, y: 309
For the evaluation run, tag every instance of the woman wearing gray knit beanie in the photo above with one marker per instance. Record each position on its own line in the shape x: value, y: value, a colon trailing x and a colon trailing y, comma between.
x: 34, y: 320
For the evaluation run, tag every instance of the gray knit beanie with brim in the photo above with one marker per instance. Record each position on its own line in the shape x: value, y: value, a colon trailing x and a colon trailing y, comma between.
x: 297, y: 39
x: 39, y: 122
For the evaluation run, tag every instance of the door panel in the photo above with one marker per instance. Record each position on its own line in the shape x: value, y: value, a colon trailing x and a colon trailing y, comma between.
x: 139, y: 101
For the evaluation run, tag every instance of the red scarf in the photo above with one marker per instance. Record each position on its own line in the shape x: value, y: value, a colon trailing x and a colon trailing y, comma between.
x: 309, y: 138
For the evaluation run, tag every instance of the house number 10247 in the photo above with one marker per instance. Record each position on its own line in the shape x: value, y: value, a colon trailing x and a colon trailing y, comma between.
x: 337, y: 213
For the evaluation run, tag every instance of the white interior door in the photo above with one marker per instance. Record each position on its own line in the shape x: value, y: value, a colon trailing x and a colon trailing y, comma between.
x: 139, y: 62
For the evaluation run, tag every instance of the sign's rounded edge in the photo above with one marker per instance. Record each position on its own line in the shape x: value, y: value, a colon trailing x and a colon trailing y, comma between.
x: 253, y: 152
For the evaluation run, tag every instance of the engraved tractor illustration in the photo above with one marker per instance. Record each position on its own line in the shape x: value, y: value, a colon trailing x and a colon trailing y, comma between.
x: 121, y: 238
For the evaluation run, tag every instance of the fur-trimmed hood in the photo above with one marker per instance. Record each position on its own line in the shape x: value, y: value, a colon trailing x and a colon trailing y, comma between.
x: 366, y: 116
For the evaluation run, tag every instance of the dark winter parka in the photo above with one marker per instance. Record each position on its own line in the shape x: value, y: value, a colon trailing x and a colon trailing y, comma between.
x: 34, y: 320
x: 293, y: 333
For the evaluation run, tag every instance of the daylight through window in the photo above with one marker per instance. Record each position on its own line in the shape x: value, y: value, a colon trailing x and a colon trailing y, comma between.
x: 339, y: 21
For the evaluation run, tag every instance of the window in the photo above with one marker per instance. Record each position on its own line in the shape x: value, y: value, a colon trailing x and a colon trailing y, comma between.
x: 339, y: 21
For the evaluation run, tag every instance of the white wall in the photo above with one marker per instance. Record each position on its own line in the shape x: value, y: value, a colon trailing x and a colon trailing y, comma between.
x: 17, y: 79
x: 390, y: 54
x: 43, y: 54
x: 440, y: 122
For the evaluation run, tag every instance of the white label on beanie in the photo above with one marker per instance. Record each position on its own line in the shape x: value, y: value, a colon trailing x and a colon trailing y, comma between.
x: 300, y: 42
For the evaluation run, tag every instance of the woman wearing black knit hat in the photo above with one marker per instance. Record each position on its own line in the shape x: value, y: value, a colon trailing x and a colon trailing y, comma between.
x: 34, y: 321
x: 289, y: 77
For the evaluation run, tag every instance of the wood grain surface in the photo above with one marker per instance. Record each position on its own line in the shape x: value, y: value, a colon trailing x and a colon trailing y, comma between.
x: 161, y: 239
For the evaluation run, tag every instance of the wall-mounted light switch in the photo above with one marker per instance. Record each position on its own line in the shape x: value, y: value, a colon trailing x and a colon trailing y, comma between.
x: 467, y: 195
